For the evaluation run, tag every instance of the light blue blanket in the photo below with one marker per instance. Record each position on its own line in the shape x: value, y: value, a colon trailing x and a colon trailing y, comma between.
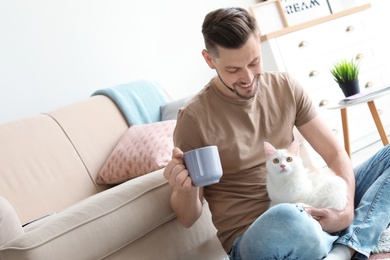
x: 139, y: 101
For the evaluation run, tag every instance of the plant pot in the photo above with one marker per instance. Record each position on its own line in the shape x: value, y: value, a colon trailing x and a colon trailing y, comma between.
x: 350, y: 88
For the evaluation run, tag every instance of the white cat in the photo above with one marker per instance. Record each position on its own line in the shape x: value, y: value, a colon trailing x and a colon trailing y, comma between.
x: 289, y: 182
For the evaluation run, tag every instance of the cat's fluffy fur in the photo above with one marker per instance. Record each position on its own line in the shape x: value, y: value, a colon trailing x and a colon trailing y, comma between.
x: 289, y: 182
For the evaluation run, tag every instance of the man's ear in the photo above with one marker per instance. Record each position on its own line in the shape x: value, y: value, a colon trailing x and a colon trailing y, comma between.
x: 209, y: 60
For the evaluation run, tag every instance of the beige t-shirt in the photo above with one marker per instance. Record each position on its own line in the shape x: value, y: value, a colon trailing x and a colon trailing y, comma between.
x: 239, y: 129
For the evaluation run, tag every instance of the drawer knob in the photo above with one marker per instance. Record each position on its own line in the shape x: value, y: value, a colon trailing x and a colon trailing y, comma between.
x: 313, y: 73
x: 350, y: 28
x: 359, y: 56
x: 335, y: 131
x: 369, y: 84
x: 303, y: 44
x: 323, y: 103
x: 380, y: 111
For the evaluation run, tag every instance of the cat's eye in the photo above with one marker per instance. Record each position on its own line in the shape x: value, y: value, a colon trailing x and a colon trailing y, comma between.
x: 276, y: 160
x: 289, y: 159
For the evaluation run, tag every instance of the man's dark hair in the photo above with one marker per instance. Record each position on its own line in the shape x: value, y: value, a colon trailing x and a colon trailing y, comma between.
x: 229, y: 28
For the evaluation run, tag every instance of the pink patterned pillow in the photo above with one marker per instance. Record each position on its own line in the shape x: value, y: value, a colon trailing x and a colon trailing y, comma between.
x: 142, y: 149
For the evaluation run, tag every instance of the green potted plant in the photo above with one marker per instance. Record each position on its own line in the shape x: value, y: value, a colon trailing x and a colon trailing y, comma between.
x: 346, y: 74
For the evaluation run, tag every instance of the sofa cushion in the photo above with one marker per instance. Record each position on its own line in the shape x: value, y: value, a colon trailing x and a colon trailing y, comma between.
x: 92, y: 219
x: 142, y: 149
x: 169, y: 110
x: 39, y: 166
x: 94, y: 132
x: 132, y: 220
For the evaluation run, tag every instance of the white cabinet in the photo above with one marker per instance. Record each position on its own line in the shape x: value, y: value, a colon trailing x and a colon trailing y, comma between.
x: 308, y: 54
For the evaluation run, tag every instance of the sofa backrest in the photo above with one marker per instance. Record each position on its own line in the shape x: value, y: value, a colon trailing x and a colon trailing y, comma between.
x: 50, y: 161
x: 94, y: 127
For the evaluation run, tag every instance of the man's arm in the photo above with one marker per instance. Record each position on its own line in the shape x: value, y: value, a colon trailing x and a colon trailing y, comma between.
x: 322, y: 139
x: 186, y: 199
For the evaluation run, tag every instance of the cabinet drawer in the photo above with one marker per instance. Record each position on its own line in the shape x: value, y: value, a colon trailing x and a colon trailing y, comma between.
x: 326, y: 113
x: 372, y: 78
x: 315, y: 74
x: 360, y: 121
x: 383, y: 106
x: 321, y: 39
x: 325, y: 96
x: 336, y: 126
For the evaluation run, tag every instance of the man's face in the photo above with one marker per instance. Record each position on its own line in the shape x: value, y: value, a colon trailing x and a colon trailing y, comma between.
x: 238, y: 69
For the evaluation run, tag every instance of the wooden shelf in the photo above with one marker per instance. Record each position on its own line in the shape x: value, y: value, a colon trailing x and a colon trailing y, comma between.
x: 307, y: 24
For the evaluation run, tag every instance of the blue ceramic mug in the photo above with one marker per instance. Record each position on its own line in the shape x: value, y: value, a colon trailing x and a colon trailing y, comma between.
x: 203, y: 165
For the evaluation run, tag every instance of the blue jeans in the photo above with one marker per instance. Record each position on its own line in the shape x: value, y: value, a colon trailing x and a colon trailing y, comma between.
x: 286, y: 231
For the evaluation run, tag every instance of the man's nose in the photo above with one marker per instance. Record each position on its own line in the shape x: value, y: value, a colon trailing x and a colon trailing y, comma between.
x: 247, y: 76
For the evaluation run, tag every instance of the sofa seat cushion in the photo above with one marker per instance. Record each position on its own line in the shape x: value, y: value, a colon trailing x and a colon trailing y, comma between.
x: 172, y: 241
x: 133, y: 220
x: 126, y: 212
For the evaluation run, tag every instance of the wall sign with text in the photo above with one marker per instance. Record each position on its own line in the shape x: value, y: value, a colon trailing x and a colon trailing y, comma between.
x: 299, y: 11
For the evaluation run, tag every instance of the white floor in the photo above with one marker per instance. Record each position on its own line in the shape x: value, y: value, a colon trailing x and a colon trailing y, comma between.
x: 366, y: 152
x: 357, y: 157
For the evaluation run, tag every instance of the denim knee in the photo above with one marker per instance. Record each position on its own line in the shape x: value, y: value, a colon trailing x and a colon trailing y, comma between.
x: 285, y: 231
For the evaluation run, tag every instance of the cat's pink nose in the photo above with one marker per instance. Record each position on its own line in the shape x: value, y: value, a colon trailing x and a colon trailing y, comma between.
x: 282, y: 165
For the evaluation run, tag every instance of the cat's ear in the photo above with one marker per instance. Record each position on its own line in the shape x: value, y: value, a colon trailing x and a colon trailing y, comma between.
x: 294, y: 148
x: 269, y: 149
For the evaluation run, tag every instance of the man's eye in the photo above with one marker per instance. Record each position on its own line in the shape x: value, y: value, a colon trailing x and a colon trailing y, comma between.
x: 276, y: 160
x: 289, y: 159
x: 232, y: 70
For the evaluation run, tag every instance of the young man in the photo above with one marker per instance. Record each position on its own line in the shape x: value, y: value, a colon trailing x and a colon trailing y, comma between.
x: 238, y: 110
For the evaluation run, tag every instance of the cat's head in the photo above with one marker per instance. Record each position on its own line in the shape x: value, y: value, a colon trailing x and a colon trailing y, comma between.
x: 282, y: 161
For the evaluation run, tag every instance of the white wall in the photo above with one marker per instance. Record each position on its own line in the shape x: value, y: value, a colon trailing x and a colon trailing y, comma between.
x: 57, y: 52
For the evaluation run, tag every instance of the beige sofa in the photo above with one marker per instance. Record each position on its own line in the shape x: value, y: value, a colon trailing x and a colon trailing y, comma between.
x: 49, y: 163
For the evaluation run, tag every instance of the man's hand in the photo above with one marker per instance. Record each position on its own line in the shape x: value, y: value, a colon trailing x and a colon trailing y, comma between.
x: 186, y: 198
x: 332, y: 220
x: 176, y: 173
